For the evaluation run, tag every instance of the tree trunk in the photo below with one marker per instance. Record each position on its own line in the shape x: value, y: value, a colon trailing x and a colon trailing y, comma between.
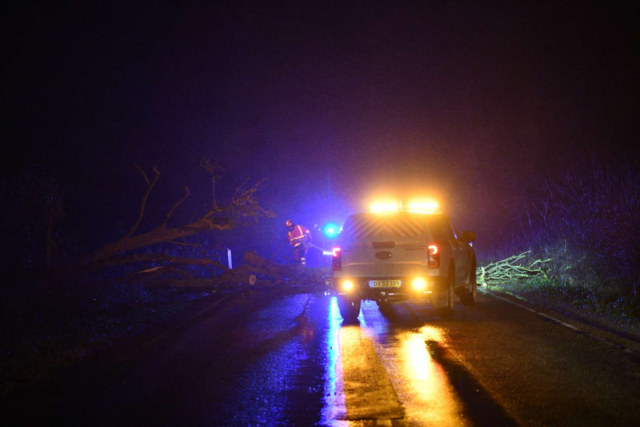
x: 158, y: 235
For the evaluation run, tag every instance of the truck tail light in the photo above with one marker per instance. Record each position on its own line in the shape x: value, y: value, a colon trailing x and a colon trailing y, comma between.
x: 337, y: 259
x: 434, y: 256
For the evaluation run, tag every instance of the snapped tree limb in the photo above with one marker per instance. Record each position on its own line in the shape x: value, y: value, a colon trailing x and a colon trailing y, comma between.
x: 510, y: 269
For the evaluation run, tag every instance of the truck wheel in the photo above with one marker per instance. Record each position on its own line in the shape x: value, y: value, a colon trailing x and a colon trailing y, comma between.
x: 383, y: 305
x: 349, y: 308
x: 468, y: 297
x: 447, y: 298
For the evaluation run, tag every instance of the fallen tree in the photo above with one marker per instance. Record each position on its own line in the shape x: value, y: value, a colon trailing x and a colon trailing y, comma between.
x: 242, y: 208
x: 510, y: 269
x: 149, y: 259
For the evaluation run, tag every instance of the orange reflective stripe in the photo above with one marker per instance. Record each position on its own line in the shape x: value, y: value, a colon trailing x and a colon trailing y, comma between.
x: 300, y: 236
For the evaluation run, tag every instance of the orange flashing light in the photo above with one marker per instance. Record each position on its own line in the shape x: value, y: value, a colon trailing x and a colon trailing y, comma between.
x: 384, y: 207
x: 420, y: 206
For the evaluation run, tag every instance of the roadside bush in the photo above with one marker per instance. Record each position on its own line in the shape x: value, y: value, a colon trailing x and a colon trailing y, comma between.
x: 569, y: 264
x: 588, y: 221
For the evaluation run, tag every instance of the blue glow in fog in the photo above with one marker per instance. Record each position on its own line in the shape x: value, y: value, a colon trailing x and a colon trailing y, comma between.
x: 331, y: 230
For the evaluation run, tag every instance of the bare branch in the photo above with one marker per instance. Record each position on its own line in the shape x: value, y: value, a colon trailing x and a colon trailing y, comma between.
x: 158, y: 271
x: 143, y: 203
x: 142, y: 172
x: 187, y: 193
x: 193, y: 245
x: 245, y: 205
x: 210, y: 270
x: 211, y: 170
x: 510, y: 269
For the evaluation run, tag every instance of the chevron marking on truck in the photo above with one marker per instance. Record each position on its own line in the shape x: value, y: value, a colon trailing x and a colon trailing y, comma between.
x: 396, y: 226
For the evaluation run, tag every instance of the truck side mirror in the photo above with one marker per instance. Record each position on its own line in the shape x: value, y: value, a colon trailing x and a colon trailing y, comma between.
x: 468, y: 236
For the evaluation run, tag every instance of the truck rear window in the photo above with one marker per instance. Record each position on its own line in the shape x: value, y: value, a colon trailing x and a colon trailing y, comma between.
x: 440, y: 229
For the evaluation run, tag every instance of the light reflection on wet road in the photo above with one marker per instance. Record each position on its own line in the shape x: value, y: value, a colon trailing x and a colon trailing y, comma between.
x: 334, y: 403
x: 389, y: 374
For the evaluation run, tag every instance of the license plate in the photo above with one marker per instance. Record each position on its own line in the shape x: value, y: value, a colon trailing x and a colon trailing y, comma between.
x: 385, y: 283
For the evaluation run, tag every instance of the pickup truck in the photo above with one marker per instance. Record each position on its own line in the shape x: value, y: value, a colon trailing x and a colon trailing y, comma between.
x: 390, y: 257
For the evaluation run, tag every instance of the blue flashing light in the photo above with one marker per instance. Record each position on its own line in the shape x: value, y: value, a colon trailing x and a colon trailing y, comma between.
x: 331, y: 230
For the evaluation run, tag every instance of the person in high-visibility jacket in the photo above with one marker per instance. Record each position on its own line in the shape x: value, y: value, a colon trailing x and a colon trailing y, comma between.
x: 299, y: 236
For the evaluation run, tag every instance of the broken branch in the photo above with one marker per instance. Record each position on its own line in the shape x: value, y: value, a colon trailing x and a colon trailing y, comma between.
x: 143, y: 204
x: 187, y: 193
x: 211, y: 170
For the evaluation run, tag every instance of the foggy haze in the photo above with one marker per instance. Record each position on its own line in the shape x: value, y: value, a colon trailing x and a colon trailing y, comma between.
x: 470, y: 103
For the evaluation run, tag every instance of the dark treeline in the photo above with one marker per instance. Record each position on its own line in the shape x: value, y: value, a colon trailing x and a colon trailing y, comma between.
x: 31, y: 225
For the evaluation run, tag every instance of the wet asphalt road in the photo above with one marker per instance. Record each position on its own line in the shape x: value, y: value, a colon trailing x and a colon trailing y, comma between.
x: 264, y: 359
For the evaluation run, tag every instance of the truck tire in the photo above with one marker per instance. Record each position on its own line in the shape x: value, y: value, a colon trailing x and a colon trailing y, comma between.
x: 468, y: 297
x: 448, y: 297
x: 349, y: 308
x: 384, y: 306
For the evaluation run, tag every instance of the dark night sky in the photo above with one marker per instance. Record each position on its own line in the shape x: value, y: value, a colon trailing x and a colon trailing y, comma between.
x: 468, y: 101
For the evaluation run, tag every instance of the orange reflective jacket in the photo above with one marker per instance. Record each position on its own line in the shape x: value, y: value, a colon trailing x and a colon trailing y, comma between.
x: 300, y: 234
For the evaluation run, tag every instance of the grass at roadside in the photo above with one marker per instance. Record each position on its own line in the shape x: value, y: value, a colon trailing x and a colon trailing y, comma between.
x: 597, y: 305
x: 568, y: 277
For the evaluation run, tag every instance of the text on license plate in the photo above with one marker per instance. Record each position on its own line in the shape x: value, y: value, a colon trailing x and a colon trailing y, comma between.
x: 385, y: 283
